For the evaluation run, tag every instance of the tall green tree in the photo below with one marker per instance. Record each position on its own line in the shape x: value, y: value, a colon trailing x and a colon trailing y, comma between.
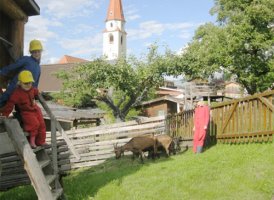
x: 120, y: 85
x: 241, y: 43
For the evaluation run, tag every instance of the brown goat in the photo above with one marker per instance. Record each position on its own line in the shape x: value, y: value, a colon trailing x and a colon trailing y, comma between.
x: 137, y: 145
x: 166, y: 143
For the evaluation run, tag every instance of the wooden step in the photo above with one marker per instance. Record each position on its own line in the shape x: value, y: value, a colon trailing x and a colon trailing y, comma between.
x: 46, y: 186
x: 44, y: 163
x: 38, y: 148
x: 50, y: 178
x: 57, y: 193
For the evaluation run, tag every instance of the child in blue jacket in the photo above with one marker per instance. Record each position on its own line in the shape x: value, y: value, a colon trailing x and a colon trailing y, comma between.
x: 30, y: 63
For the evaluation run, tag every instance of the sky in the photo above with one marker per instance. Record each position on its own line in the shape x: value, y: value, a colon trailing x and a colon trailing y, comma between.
x: 75, y: 27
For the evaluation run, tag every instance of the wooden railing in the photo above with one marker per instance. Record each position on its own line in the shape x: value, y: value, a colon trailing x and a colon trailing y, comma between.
x: 180, y: 125
x: 249, y: 119
x: 95, y: 144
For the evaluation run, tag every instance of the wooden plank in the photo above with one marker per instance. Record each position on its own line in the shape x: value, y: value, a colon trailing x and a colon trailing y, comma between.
x: 10, y: 158
x: 118, y: 130
x: 17, y: 38
x: 24, y: 150
x: 118, y: 125
x: 255, y: 112
x: 246, y: 134
x: 6, y: 144
x: 86, y: 164
x: 8, y: 43
x: 249, y: 113
x: 64, y: 168
x: 13, y: 170
x: 264, y: 94
x: 11, y: 164
x: 267, y: 103
x: 130, y: 134
x: 11, y: 9
x: 11, y: 184
x: 94, y: 153
x: 228, y: 117
x: 92, y: 158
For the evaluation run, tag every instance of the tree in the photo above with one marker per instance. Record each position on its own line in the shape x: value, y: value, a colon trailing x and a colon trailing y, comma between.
x: 242, y: 43
x: 121, y: 85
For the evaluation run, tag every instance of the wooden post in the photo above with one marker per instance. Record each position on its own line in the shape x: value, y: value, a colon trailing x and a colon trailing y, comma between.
x: 59, y: 127
x: 17, y: 39
x: 0, y: 168
x: 12, y: 10
x: 54, y: 148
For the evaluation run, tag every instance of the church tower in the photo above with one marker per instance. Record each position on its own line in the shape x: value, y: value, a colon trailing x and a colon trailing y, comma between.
x: 114, y: 36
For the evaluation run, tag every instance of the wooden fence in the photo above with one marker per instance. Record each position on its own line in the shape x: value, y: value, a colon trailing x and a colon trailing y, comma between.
x: 95, y: 144
x: 181, y: 125
x: 13, y: 172
x: 249, y: 119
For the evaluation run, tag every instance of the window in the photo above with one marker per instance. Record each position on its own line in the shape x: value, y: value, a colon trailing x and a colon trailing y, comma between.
x: 111, y: 38
x: 121, y: 40
x: 111, y: 25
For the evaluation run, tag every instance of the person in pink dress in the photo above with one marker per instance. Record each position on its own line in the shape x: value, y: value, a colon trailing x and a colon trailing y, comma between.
x: 201, y: 119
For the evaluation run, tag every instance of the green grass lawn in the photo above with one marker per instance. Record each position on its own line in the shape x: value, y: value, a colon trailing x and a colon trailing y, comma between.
x: 221, y: 172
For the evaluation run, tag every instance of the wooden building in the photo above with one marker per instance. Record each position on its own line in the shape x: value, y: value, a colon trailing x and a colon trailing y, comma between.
x: 13, y: 16
x: 35, y: 164
x: 161, y: 106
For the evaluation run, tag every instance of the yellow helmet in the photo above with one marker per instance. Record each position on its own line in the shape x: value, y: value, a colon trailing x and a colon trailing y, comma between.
x: 25, y: 76
x: 35, y: 45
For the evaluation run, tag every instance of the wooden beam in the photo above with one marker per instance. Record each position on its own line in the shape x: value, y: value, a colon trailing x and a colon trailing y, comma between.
x: 9, y: 44
x: 250, y: 97
x: 11, y: 9
x: 267, y: 103
x: 229, y: 116
x: 245, y: 134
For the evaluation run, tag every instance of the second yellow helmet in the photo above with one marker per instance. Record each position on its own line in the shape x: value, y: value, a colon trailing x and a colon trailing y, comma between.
x: 35, y: 45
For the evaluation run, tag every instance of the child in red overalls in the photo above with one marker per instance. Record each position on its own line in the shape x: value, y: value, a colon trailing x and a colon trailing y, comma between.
x: 23, y: 98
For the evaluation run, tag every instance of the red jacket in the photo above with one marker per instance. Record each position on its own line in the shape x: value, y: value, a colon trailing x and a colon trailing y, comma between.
x: 31, y: 114
x: 24, y: 100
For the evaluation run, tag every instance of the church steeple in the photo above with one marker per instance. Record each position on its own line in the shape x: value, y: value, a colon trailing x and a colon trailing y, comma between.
x: 115, y: 11
x: 114, y: 36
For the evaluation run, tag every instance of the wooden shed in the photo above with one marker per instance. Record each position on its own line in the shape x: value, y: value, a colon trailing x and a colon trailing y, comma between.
x: 161, y: 106
x: 13, y: 16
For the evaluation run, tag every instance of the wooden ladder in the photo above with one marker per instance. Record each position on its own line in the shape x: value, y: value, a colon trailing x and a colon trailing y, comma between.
x: 42, y: 173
